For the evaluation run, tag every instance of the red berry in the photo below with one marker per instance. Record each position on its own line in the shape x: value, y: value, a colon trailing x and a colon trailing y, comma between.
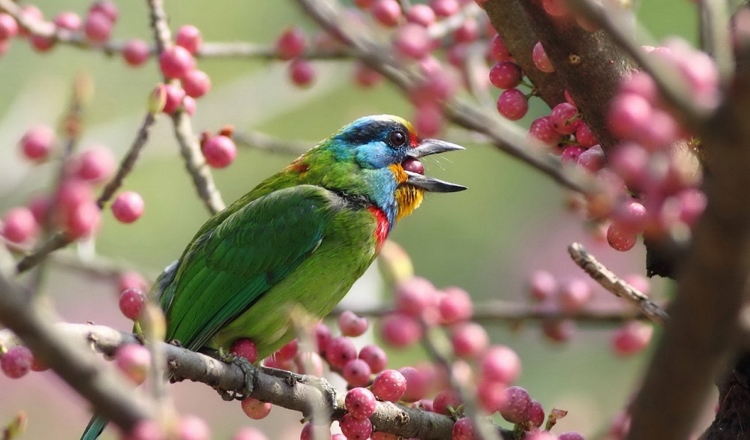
x: 136, y: 52
x: 632, y: 338
x: 413, y: 165
x: 322, y: 336
x: 571, y: 153
x: 389, y: 385
x: 71, y: 194
x: 542, y: 285
x: 386, y: 12
x: 429, y: 121
x: 128, y: 207
x: 374, y: 356
x: 365, y: 76
x: 536, y: 414
x: 176, y: 62
x: 106, y: 7
x: 175, y: 96
x: 574, y: 294
x: 146, y: 430
x: 420, y: 14
x: 245, y: 348
x: 468, y: 32
x: 631, y: 216
x: 413, y: 41
x: 555, y: 8
x: 506, y: 75
x: 565, y: 118
x: 570, y: 436
x: 37, y: 142
x: 41, y: 44
x: 97, y: 27
x: 189, y: 37
x: 455, y: 305
x: 16, y: 362
x: 516, y: 405
x: 8, y: 26
x: 219, y: 151
x: 364, y: 4
x: 288, y: 351
x: 463, y: 429
x: 68, y: 20
x: 512, y: 104
x: 255, y: 409
x: 301, y: 72
x: 414, y: 296
x: 134, y: 360
x: 95, y: 164
x: 400, y: 330
x: 291, y: 44
x: 540, y: 59
x: 558, y: 330
x: 543, y: 129
x: 445, y: 8
x: 469, y: 340
x: 351, y: 324
x: 446, y: 402
x: 196, y: 83
x: 584, y: 136
x: 619, y: 238
x: 417, y: 383
x: 592, y: 159
x: 355, y: 429
x: 500, y: 364
x: 131, y: 280
x: 490, y: 395
x: 132, y: 302
x: 340, y: 351
x: 83, y: 220
x: 360, y: 403
x: 628, y: 114
x: 19, y: 225
x: 249, y: 433
x: 499, y: 50
x: 356, y: 372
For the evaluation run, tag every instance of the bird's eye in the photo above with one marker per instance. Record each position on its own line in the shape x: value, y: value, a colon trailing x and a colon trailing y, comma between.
x: 397, y: 138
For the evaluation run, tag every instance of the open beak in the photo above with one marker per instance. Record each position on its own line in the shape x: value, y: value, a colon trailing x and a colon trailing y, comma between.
x: 426, y: 148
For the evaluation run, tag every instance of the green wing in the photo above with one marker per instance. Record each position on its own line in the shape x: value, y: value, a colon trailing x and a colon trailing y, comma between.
x: 229, y: 267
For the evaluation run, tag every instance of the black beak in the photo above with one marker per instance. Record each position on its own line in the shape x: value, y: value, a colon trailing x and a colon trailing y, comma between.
x: 426, y: 148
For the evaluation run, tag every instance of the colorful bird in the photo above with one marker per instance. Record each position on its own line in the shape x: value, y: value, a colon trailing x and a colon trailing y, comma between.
x: 300, y: 238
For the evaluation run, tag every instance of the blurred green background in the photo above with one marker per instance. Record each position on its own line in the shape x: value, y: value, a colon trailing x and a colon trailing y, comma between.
x: 511, y: 221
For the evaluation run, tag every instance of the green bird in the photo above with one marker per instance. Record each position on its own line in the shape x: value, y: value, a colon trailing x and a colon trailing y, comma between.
x: 301, y: 238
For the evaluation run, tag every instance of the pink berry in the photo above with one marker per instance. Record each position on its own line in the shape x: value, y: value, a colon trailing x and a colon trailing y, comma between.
x: 541, y: 435
x: 440, y: 83
x: 490, y: 395
x: 175, y: 96
x: 536, y: 414
x: 41, y: 44
x: 134, y: 360
x: 291, y: 44
x: 570, y: 436
x: 37, y: 142
x: 249, y: 433
x: 640, y: 83
x: 571, y: 153
x: 558, y: 330
x: 19, y: 225
x: 499, y: 50
x: 628, y: 114
x: 541, y: 60
x: 418, y: 383
x: 106, y: 7
x: 95, y: 164
x: 386, y: 12
x: 8, y: 26
x: 631, y: 216
x: 360, y: 403
x: 322, y: 336
x: 365, y: 76
x: 356, y: 372
x: 512, y: 104
x: 16, y: 362
x: 630, y: 161
x: 128, y: 207
x: 515, y: 407
x: 196, y: 83
x: 189, y: 37
x: 429, y: 121
x: 219, y: 151
x: 352, y: 325
x: 574, y: 294
x: 68, y: 20
x: 389, y: 385
x: 131, y: 280
x: 420, y: 14
x: 82, y: 221
x: 500, y: 364
x: 355, y: 429
x: 301, y: 72
x: 176, y: 62
x: 592, y: 159
x: 542, y: 285
x: 692, y: 204
x: 565, y: 118
x: 555, y: 8
x: 374, y: 356
x: 455, y: 305
x: 136, y: 52
x: 288, y: 351
x: 619, y: 238
x: 469, y: 340
x: 412, y: 41
x: 246, y: 348
x: 188, y: 105
x: 632, y: 338
x: 445, y: 8
x: 255, y: 409
x: 72, y: 193
x: 446, y: 402
x: 132, y: 302
x: 315, y: 432
x: 543, y: 129
x: 415, y: 295
x: 463, y: 430
x: 413, y: 165
x: 506, y: 75
x: 400, y: 330
x: 192, y: 428
x: 340, y: 351
x: 97, y: 27
x: 40, y: 206
x: 584, y: 136
x: 468, y: 32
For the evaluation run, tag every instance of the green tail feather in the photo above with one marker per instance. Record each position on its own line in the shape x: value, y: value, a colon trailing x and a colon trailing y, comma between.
x: 94, y: 428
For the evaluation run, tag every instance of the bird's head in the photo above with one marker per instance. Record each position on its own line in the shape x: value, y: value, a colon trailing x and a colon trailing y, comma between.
x: 379, y: 156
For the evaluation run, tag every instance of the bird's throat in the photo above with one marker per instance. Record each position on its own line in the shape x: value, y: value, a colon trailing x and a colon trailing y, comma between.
x: 408, y: 198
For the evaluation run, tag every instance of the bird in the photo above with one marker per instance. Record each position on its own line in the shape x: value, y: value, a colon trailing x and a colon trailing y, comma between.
x: 302, y: 237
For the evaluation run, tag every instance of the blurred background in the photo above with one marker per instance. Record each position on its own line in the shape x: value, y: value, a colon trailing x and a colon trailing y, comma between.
x: 512, y: 220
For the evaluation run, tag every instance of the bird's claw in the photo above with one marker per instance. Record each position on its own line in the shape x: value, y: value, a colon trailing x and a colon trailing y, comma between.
x: 248, y: 370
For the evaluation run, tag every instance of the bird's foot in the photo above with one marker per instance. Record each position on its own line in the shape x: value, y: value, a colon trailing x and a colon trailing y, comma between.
x: 249, y: 371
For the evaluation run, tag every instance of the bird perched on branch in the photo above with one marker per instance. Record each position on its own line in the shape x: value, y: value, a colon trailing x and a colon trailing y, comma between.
x: 300, y: 238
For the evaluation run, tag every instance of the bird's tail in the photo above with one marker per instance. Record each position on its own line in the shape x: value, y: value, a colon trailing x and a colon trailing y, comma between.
x: 94, y: 429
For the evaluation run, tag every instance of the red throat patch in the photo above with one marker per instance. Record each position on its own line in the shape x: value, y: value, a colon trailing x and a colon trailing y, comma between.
x: 381, y: 228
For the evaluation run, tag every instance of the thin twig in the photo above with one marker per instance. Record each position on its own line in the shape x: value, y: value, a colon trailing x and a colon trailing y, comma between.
x: 614, y: 284
x: 264, y: 142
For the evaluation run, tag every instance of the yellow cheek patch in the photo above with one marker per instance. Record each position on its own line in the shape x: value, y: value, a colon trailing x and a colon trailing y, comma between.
x: 408, y: 197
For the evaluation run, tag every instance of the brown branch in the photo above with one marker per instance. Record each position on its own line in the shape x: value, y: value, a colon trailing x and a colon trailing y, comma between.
x: 264, y: 142
x: 607, y: 279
